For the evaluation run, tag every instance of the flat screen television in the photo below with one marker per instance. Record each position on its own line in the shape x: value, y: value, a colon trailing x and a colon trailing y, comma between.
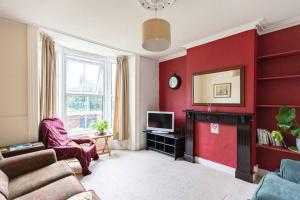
x: 160, y: 121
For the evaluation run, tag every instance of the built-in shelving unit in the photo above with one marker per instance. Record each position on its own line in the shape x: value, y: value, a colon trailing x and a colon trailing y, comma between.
x: 167, y: 143
x: 268, y: 155
x: 278, y: 77
x: 278, y: 80
x: 277, y: 106
x: 282, y: 54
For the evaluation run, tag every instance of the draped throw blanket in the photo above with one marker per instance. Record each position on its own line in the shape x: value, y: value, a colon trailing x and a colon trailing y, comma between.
x: 48, y: 79
x: 121, y: 109
x: 54, y: 136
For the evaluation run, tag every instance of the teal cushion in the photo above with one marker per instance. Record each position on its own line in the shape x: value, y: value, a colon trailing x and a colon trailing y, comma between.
x: 273, y: 187
x: 290, y: 170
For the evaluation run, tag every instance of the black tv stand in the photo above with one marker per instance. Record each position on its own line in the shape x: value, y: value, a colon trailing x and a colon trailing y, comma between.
x: 168, y: 143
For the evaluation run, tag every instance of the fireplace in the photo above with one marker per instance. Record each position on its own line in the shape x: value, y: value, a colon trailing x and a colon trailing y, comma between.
x: 240, y: 120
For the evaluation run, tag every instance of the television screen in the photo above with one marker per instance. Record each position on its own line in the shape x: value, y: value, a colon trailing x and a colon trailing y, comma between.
x: 161, y: 121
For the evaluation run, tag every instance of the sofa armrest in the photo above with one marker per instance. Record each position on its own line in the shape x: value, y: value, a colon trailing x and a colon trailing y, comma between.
x: 95, y: 196
x: 290, y: 170
x: 22, y: 164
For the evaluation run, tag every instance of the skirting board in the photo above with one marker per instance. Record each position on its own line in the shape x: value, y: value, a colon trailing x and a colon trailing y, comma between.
x: 215, y: 165
x: 258, y: 173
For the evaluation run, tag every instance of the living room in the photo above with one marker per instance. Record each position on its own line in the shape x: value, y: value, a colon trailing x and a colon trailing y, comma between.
x: 149, y: 99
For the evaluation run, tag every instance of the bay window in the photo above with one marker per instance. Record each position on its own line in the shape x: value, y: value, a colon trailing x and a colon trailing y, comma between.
x: 88, y: 91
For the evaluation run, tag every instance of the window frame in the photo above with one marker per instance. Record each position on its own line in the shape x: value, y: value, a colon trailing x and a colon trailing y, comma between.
x: 107, y: 95
x: 102, y: 62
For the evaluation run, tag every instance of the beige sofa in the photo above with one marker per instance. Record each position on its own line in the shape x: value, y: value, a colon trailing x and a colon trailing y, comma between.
x: 37, y: 175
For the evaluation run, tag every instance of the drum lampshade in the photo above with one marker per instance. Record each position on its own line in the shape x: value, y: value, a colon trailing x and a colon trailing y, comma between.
x: 156, y: 35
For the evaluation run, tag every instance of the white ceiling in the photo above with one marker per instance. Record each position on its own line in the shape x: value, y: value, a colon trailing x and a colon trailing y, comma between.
x: 117, y: 23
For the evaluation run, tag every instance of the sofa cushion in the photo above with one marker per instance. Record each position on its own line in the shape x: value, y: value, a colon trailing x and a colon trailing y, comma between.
x: 2, y: 197
x: 290, y: 170
x: 36, y: 179
x: 273, y: 187
x: 4, y: 184
x: 58, y: 190
x: 82, y: 196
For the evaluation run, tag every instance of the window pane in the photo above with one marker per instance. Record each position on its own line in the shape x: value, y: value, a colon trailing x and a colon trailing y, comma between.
x: 75, y: 75
x: 91, y: 77
x: 95, y: 103
x: 81, y: 124
x: 84, y: 76
x: 76, y: 103
x: 82, y: 111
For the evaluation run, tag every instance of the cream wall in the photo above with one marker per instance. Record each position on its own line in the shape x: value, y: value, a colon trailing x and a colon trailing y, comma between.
x: 13, y: 83
x: 149, y: 94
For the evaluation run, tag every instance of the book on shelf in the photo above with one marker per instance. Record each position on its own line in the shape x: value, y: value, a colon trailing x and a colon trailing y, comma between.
x: 3, y: 149
x: 20, y: 146
x: 265, y: 137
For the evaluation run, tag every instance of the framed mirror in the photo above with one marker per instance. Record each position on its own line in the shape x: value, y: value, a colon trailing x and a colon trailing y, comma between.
x: 219, y: 87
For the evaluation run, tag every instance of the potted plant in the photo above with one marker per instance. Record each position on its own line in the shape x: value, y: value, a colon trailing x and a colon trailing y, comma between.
x: 100, y: 126
x: 286, y: 120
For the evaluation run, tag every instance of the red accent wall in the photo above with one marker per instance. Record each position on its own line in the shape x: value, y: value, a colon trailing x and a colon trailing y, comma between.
x: 227, y: 52
x: 239, y: 49
x: 231, y: 51
x: 173, y: 100
x: 220, y: 148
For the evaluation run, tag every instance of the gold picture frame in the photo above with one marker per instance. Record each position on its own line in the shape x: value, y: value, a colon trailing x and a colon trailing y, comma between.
x: 222, y: 90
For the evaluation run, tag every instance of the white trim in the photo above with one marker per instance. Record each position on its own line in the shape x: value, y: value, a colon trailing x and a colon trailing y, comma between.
x: 173, y: 56
x: 137, y: 103
x: 33, y: 82
x: 233, y: 31
x: 215, y: 165
x: 41, y: 27
x: 279, y: 25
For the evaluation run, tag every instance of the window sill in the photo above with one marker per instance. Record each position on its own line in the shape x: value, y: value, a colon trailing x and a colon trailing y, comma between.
x: 82, y: 133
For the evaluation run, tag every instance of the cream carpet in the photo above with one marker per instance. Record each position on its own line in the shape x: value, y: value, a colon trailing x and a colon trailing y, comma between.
x: 148, y: 175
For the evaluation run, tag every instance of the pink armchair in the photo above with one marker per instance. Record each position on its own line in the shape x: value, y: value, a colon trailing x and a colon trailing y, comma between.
x: 54, y: 136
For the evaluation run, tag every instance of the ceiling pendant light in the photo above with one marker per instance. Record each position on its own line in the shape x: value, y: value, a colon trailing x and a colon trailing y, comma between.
x: 156, y: 31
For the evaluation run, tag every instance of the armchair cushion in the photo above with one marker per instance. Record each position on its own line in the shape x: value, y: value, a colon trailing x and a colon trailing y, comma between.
x: 273, y: 187
x: 290, y: 170
x: 22, y: 164
x: 3, y: 184
x: 29, y: 182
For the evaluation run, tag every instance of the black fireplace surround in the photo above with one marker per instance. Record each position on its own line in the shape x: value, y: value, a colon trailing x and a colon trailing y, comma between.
x: 240, y: 120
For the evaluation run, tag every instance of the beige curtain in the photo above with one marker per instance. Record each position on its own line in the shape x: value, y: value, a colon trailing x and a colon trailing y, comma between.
x: 121, y: 109
x: 48, y: 79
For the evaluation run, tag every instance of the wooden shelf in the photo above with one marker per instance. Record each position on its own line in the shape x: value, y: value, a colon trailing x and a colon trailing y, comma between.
x: 169, y: 143
x: 275, y: 148
x: 276, y: 55
x: 277, y: 106
x: 278, y: 77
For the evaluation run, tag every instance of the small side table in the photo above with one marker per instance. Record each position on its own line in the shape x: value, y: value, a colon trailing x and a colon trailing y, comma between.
x: 15, y: 150
x: 105, y: 136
